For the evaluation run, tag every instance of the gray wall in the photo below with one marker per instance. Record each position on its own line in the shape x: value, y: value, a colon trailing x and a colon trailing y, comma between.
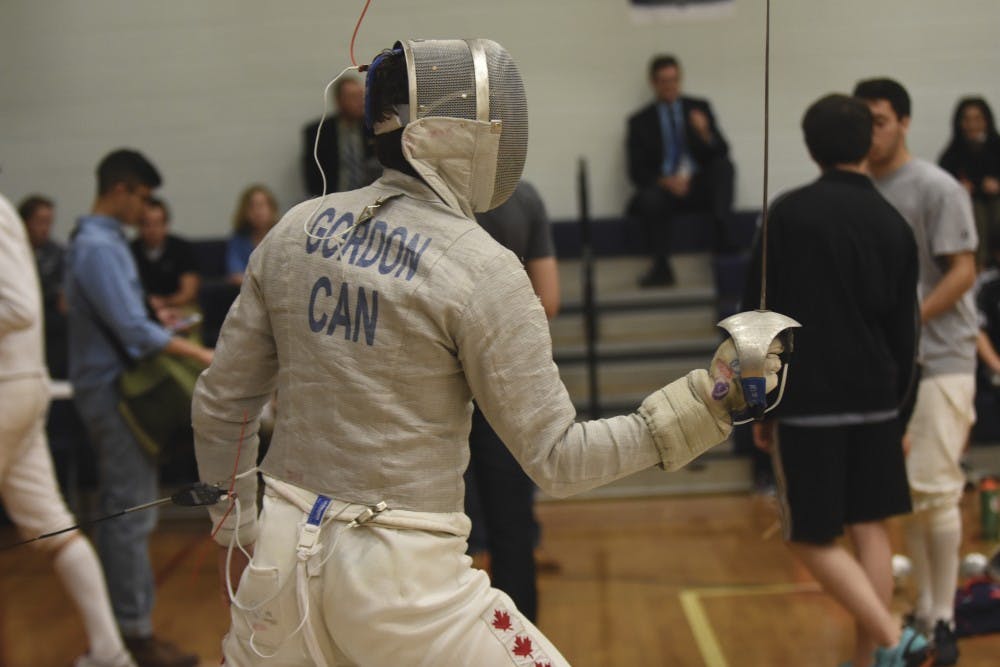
x: 216, y: 91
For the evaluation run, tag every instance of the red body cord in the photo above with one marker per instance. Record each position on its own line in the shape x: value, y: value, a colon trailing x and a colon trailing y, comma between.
x: 232, y: 481
x: 358, y: 25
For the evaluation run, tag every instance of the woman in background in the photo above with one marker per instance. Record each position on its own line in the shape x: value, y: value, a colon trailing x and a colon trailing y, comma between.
x: 256, y: 213
x: 973, y: 157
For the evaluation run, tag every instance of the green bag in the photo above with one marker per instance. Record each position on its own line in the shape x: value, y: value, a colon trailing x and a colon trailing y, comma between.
x: 155, y: 401
x: 156, y: 391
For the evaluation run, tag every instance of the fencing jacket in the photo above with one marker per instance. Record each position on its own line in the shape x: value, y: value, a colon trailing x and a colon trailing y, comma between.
x: 377, y: 336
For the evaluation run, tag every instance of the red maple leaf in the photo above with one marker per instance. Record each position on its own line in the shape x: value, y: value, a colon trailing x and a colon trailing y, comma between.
x: 522, y: 646
x: 501, y: 620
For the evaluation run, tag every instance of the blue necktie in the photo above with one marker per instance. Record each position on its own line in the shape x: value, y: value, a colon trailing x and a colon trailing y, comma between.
x: 671, y: 140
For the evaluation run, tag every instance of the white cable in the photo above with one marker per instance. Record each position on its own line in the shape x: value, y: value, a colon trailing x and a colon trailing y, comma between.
x: 319, y: 129
x: 304, y: 605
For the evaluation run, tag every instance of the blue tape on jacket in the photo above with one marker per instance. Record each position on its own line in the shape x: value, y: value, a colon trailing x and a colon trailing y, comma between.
x: 318, y: 510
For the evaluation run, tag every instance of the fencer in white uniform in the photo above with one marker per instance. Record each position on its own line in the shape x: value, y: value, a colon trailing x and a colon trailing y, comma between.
x: 378, y: 315
x: 28, y: 486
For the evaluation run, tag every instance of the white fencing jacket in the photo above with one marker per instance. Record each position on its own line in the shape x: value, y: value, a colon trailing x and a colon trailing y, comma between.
x: 377, y: 337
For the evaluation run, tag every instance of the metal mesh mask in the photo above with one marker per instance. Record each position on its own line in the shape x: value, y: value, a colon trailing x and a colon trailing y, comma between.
x: 472, y: 79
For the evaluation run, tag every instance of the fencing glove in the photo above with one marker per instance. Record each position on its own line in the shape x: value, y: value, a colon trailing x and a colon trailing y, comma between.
x: 694, y: 413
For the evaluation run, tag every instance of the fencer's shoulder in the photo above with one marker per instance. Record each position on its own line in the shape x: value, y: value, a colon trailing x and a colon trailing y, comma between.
x: 482, y: 256
x: 478, y: 245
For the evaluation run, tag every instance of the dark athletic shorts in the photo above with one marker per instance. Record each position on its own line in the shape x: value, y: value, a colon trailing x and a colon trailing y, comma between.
x: 832, y: 476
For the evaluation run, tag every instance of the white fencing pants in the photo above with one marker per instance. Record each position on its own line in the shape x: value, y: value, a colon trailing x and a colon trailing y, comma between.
x: 939, y: 432
x: 28, y: 485
x: 395, y: 590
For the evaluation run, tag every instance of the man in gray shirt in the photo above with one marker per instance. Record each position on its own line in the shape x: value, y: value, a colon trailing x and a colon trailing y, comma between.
x: 940, y: 213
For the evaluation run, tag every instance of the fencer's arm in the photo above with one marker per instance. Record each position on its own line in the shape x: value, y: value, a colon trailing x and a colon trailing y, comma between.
x: 20, y: 304
x: 228, y: 401
x: 19, y: 301
x: 506, y: 353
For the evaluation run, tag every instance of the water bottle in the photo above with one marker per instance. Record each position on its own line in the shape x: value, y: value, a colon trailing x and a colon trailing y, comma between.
x: 988, y: 509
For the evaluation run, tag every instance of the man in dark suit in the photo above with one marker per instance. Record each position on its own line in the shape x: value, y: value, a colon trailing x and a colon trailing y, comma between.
x: 678, y: 161
x: 345, y: 151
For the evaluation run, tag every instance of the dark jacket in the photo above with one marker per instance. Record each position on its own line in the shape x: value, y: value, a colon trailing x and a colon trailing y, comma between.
x: 973, y: 162
x: 329, y: 156
x: 645, y: 141
x: 843, y: 262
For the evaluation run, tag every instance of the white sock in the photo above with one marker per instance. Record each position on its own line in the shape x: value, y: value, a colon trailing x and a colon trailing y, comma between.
x: 944, y: 539
x: 80, y: 571
x: 916, y: 544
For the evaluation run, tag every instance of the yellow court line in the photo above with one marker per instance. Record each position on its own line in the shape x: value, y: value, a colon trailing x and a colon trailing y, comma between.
x: 701, y: 627
x: 704, y: 636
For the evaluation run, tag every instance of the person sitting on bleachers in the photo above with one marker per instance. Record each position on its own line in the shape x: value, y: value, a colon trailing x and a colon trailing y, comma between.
x: 973, y: 157
x: 168, y: 265
x: 256, y: 213
x: 678, y: 161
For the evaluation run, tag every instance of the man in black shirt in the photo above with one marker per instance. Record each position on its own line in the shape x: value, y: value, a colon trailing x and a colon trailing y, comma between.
x: 168, y: 265
x: 843, y: 262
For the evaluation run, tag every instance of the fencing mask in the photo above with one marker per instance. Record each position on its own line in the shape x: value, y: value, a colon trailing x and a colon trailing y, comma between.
x: 462, y: 113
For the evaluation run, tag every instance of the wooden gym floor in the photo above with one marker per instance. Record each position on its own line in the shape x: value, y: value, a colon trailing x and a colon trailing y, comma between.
x: 695, y: 581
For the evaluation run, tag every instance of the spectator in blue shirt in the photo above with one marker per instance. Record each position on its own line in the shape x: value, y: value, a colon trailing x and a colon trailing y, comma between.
x: 107, y: 323
x: 256, y: 212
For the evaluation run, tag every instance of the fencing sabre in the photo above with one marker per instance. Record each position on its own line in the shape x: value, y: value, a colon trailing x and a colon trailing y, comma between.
x: 753, y: 331
x: 198, y: 494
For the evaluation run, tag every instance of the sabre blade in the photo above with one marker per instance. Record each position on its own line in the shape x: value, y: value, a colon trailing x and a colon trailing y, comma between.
x: 198, y: 494
x: 767, y: 127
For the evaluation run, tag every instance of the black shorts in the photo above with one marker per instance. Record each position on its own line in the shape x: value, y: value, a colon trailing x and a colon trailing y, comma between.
x: 832, y: 476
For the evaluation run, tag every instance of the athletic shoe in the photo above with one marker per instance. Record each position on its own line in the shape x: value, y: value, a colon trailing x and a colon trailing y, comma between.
x: 911, y: 651
x: 154, y: 652
x: 945, y: 644
x: 122, y: 660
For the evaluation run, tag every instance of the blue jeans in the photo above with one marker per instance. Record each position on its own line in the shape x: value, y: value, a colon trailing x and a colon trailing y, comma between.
x: 126, y: 477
